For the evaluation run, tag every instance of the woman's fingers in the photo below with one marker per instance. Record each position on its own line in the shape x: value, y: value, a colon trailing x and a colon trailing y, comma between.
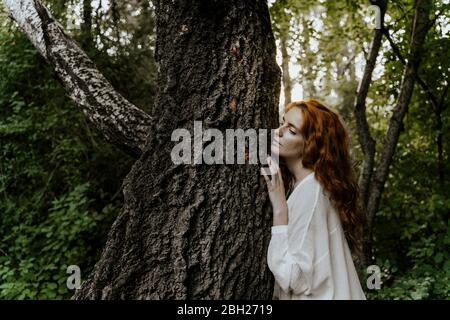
x: 272, y: 174
x: 266, y: 176
x: 280, y: 177
x: 274, y: 168
x: 267, y: 181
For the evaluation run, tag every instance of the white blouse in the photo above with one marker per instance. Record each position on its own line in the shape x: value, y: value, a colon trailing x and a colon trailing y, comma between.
x: 310, y: 257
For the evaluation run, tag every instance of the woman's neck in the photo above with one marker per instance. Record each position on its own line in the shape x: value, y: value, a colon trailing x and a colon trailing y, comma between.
x: 297, y: 170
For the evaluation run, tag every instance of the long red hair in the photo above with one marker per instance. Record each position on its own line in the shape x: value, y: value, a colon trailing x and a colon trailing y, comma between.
x: 327, y: 153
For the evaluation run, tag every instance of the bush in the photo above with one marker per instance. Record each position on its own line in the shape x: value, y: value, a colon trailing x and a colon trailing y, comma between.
x: 60, y: 183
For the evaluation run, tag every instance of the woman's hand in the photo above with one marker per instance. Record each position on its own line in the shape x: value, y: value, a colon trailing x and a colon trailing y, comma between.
x: 277, y: 195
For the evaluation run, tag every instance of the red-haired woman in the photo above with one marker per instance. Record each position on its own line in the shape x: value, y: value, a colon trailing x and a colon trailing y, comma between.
x: 316, y: 230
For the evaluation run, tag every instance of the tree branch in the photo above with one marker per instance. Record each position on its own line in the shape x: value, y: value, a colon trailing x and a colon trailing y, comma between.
x: 422, y: 83
x: 122, y: 123
x: 420, y: 29
x: 365, y: 139
x: 442, y: 106
x: 362, y: 127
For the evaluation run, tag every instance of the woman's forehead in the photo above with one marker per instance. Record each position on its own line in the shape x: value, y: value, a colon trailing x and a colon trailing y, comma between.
x: 294, y: 116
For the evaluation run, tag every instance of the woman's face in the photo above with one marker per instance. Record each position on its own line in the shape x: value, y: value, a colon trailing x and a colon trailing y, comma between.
x: 288, y: 142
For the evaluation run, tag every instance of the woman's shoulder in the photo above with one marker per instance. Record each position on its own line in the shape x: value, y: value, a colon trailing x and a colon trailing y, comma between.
x: 306, y: 188
x: 310, y: 190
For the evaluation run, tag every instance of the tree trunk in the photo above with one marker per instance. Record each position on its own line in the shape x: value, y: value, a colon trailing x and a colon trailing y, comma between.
x: 345, y: 84
x: 198, y: 231
x: 438, y: 108
x: 362, y: 127
x: 420, y: 28
x: 439, y: 128
x: 86, y: 26
x: 122, y: 123
x: 185, y: 231
x: 348, y: 91
x: 308, y: 73
x: 287, y: 82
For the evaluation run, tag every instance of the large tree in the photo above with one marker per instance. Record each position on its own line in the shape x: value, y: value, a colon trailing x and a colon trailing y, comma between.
x: 185, y: 231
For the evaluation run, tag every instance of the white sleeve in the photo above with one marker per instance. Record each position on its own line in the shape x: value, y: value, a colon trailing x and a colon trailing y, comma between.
x: 290, y: 254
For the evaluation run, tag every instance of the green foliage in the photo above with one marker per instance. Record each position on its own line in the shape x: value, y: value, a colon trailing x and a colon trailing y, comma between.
x: 38, y: 254
x: 60, y: 182
x: 412, y: 237
x: 414, y: 254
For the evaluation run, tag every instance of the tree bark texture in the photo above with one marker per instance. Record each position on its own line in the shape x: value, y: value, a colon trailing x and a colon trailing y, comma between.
x: 198, y: 231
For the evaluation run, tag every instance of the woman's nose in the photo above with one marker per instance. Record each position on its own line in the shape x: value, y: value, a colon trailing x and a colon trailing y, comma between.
x: 278, y: 132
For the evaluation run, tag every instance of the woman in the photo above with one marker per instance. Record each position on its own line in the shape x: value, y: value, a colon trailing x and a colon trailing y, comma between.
x: 318, y: 227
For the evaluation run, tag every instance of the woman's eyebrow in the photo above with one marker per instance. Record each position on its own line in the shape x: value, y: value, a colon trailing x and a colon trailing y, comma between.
x: 291, y: 124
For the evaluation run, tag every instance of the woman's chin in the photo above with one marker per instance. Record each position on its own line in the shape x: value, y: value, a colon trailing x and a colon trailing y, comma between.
x: 275, y: 150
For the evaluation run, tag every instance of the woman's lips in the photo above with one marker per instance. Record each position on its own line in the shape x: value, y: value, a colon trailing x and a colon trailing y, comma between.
x: 273, y: 142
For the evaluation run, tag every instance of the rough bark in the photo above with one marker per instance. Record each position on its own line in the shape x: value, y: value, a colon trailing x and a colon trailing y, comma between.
x: 420, y: 28
x: 122, y: 123
x: 198, y: 231
x: 362, y: 127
